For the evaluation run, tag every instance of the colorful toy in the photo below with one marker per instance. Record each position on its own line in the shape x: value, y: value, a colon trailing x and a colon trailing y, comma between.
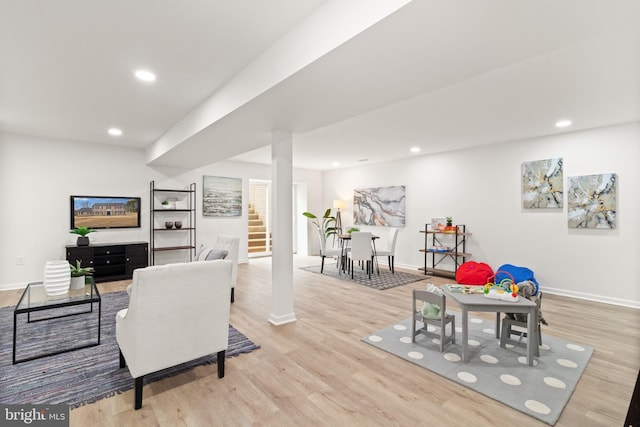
x: 506, y: 290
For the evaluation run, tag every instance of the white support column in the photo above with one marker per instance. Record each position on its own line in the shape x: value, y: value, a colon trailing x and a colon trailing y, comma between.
x: 282, y: 252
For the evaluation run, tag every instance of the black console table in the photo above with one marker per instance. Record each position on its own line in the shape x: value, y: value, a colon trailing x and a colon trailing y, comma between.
x: 110, y: 261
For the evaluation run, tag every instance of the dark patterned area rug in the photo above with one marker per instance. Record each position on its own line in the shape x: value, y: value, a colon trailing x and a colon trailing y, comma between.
x: 386, y: 279
x: 82, y: 376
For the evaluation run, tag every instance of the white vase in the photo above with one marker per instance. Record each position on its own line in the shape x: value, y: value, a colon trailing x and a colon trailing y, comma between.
x: 57, y: 277
x: 77, y: 283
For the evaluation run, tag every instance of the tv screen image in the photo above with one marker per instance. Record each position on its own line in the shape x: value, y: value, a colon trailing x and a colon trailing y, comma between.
x: 105, y: 212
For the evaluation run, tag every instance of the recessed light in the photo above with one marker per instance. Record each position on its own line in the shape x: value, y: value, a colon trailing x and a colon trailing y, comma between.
x: 415, y: 149
x: 115, y: 132
x: 563, y: 123
x: 335, y: 163
x: 363, y: 160
x: 145, y: 76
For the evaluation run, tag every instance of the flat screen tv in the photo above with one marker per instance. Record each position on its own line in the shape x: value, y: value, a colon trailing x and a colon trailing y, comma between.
x: 105, y: 212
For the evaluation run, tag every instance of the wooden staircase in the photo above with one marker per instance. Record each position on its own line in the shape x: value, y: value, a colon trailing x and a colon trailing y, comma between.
x: 257, y: 242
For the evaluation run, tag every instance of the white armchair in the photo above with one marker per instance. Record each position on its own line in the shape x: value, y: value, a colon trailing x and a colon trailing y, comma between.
x: 231, y: 245
x: 177, y: 313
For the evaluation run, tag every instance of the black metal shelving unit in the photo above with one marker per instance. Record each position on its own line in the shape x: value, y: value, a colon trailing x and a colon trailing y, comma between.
x: 455, y: 240
x: 159, y: 215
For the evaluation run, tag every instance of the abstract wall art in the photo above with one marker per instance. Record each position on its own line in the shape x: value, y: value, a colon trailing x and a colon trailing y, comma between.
x: 542, y: 184
x: 383, y: 206
x: 221, y: 196
x: 592, y: 201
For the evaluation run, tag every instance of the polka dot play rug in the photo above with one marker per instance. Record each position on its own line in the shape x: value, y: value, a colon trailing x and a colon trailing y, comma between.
x: 540, y: 391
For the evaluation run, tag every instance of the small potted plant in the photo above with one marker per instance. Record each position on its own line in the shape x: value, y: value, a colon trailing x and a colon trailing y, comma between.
x: 353, y: 230
x: 165, y: 204
x: 449, y: 228
x: 78, y: 274
x: 82, y: 232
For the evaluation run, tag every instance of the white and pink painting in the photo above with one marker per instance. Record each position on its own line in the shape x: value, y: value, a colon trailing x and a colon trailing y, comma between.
x: 384, y: 206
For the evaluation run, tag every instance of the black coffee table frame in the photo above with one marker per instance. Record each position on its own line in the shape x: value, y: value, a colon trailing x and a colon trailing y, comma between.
x: 34, y: 299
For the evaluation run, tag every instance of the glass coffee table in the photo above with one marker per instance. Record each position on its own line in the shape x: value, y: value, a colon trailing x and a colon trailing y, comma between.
x: 35, y: 300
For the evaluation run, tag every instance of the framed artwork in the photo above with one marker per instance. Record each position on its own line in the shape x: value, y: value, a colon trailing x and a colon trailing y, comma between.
x: 383, y: 206
x: 221, y: 196
x: 592, y: 201
x: 542, y: 184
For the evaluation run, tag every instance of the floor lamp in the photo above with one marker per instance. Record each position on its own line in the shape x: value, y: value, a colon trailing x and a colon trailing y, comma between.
x: 338, y: 204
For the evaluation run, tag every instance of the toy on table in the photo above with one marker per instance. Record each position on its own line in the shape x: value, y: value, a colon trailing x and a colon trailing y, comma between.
x: 506, y: 290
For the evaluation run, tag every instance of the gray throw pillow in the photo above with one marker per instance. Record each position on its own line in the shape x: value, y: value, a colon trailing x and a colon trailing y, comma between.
x: 207, y: 253
x: 216, y: 254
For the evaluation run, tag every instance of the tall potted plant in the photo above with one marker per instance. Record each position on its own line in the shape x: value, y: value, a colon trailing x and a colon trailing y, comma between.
x: 326, y: 224
x: 82, y: 232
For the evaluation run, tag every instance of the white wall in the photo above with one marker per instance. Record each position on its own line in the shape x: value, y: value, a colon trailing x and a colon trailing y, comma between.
x: 482, y: 189
x: 37, y: 176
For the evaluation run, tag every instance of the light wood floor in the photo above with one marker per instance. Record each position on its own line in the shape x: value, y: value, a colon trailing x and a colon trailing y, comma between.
x: 316, y: 371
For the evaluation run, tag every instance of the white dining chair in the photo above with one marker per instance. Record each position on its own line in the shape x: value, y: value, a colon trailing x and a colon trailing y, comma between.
x: 361, y: 250
x: 326, y: 251
x: 390, y: 250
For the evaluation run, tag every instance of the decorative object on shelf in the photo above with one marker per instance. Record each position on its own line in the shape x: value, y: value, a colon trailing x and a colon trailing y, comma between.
x: 439, y: 249
x: 542, y: 184
x: 449, y: 228
x: 438, y: 224
x: 326, y: 224
x: 168, y: 224
x: 353, y: 230
x: 78, y: 274
x: 221, y: 196
x: 178, y: 224
x: 592, y: 201
x: 166, y: 205
x: 83, y: 239
x: 57, y: 277
x: 379, y: 206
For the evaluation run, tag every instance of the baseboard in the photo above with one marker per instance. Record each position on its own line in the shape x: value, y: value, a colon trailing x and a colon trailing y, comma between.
x: 281, y: 320
x: 13, y: 286
x: 595, y: 298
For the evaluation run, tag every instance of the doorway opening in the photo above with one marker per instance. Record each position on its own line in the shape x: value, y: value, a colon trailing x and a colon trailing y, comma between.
x: 260, y: 218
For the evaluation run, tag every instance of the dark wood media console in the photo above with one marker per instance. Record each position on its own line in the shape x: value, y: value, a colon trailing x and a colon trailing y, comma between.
x: 111, y: 261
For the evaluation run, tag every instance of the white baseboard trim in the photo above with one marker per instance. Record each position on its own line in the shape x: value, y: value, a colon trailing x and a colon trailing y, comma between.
x: 595, y: 298
x: 13, y: 286
x: 283, y: 319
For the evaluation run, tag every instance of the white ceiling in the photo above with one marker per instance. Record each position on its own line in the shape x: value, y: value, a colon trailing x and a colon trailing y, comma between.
x: 436, y: 74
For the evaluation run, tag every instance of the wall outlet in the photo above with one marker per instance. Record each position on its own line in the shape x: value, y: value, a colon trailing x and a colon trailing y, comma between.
x: 20, y: 260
